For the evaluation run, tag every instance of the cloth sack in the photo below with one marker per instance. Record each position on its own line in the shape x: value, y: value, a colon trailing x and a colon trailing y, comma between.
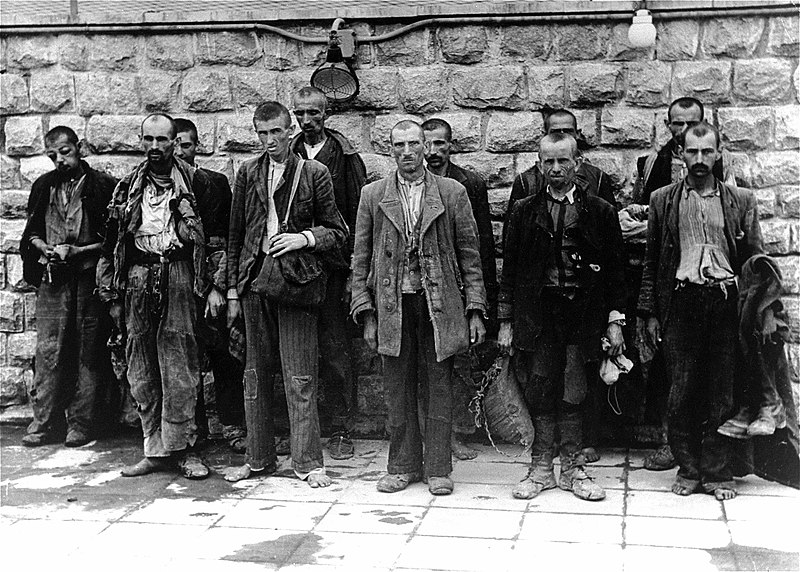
x: 503, y: 406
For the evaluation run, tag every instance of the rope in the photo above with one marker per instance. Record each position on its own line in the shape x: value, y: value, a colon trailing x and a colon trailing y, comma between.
x: 477, y: 407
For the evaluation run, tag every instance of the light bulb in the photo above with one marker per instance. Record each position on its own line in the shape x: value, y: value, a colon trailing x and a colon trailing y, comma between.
x: 642, y: 33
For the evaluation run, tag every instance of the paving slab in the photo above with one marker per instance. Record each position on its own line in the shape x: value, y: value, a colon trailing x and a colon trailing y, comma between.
x: 90, y: 515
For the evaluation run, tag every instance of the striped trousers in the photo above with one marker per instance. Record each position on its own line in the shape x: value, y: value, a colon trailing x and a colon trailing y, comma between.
x: 277, y: 333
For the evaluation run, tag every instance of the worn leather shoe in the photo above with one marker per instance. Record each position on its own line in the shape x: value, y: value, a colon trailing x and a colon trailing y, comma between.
x: 537, y: 480
x: 661, y: 460
x: 76, y: 438
x: 396, y: 482
x: 580, y: 484
x: 440, y: 486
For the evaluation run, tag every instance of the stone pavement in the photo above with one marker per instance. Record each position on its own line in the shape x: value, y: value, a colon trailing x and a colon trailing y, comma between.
x: 70, y: 508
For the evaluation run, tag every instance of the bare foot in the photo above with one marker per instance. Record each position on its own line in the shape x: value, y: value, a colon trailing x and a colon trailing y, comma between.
x: 724, y: 494
x: 460, y: 450
x: 145, y: 467
x: 590, y: 455
x: 318, y: 480
x: 235, y: 474
x: 684, y: 487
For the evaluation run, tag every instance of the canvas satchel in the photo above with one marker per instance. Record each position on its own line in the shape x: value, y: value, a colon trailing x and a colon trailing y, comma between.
x: 296, y: 278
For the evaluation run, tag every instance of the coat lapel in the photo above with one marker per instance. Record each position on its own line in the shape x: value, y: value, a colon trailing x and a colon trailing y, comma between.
x: 260, y: 181
x: 672, y: 211
x: 434, y: 207
x: 283, y: 187
x: 730, y: 214
x: 390, y: 204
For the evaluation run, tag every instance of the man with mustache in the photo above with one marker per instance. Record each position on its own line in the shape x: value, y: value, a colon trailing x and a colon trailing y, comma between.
x: 349, y: 174
x: 418, y: 290
x: 154, y: 263
x: 279, y: 332
x: 439, y: 140
x: 700, y: 233
x: 662, y: 167
x: 60, y: 247
x: 562, y: 291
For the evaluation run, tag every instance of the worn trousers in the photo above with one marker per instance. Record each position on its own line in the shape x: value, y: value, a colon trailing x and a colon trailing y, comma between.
x: 274, y: 333
x: 553, y: 379
x: 71, y: 354
x: 463, y: 392
x: 699, y: 346
x: 336, y: 374
x: 228, y: 373
x: 162, y: 353
x: 416, y: 369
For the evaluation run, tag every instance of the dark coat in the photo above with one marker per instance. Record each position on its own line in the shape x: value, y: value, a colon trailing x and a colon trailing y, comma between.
x: 348, y: 172
x: 593, y: 180
x: 529, y: 245
x: 96, y: 195
x: 313, y: 209
x: 765, y: 376
x: 449, y: 262
x: 479, y: 200
x: 216, y: 202
x: 663, y: 254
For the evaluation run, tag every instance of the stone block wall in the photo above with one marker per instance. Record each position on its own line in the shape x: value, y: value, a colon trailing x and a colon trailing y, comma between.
x: 490, y: 82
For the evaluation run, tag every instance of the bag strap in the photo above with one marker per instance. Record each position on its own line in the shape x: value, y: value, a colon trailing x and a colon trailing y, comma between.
x: 298, y: 170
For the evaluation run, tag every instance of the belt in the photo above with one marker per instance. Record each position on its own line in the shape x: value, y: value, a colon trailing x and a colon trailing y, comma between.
x: 143, y: 258
x: 727, y: 287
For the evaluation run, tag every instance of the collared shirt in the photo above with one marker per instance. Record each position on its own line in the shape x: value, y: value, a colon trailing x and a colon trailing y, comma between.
x: 705, y: 258
x: 411, y: 196
x: 64, y: 216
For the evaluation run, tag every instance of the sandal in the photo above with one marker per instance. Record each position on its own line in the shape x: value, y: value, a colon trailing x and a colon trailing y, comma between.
x: 340, y: 447
x: 192, y: 467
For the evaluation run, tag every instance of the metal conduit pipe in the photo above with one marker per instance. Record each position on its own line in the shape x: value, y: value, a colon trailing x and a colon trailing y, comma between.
x: 787, y: 9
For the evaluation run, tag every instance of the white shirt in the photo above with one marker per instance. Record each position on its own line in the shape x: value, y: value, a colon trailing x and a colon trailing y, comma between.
x: 313, y: 150
x: 274, y: 176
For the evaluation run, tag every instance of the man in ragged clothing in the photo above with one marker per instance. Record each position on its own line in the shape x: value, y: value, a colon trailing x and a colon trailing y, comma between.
x: 60, y: 247
x: 154, y: 256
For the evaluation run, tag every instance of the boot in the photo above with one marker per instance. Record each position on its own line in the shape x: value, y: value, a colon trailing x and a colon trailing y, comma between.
x: 540, y: 475
x: 573, y: 477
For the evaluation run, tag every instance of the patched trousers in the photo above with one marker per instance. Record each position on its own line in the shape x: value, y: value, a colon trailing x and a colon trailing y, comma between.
x: 71, y: 354
x: 162, y: 353
x: 277, y: 332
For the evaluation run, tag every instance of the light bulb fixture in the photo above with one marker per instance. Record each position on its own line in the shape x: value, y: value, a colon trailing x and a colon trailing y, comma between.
x: 642, y: 33
x: 336, y: 77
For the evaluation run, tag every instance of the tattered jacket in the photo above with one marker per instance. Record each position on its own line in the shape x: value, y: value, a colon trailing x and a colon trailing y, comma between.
x: 96, y: 194
x: 663, y: 255
x: 600, y: 271
x: 449, y: 260
x: 125, y: 216
x: 313, y: 209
